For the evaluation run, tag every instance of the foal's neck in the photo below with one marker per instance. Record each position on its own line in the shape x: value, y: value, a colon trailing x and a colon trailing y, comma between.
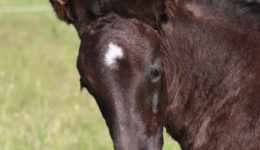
x: 204, y: 62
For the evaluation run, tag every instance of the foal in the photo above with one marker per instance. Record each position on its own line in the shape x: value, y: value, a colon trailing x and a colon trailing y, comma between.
x: 119, y: 63
x: 209, y: 90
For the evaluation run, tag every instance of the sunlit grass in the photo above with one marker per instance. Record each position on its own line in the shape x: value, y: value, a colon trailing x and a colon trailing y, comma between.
x: 41, y: 106
x: 4, y: 3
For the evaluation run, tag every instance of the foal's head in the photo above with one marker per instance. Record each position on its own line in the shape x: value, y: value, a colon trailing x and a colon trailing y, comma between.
x: 119, y: 63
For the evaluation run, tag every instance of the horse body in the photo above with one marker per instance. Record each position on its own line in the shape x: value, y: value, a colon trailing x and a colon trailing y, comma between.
x: 207, y: 95
x: 214, y: 83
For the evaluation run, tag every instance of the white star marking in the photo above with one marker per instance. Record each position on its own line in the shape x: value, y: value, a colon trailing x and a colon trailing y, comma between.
x: 113, y: 54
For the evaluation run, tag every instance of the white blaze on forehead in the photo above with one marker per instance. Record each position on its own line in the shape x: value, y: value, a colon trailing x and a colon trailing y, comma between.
x: 114, y: 52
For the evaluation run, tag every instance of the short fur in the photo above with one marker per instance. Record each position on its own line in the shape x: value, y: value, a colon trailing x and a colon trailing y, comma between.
x: 211, y: 55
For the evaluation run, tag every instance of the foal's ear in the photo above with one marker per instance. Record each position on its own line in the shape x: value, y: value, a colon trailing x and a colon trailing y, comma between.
x: 63, y: 10
x: 157, y: 69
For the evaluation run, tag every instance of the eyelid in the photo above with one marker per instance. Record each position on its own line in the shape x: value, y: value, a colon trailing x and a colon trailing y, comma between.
x: 84, y: 83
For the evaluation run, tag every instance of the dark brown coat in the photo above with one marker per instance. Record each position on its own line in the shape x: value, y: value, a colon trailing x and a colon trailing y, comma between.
x: 211, y: 55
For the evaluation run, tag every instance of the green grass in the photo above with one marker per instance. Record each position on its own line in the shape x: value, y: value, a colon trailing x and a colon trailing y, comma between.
x: 23, y: 2
x: 41, y: 106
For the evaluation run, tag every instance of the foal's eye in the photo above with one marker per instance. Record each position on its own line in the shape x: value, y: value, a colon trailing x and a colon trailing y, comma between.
x: 156, y: 75
x: 84, y: 83
x: 156, y: 71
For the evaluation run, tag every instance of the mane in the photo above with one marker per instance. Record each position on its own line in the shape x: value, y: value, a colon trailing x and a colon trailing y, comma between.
x: 240, y: 12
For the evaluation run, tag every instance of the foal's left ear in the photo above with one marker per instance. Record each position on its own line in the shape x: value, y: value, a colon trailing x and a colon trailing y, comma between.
x: 63, y: 10
x: 156, y: 70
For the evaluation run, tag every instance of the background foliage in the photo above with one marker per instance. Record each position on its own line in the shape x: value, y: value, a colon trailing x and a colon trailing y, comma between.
x: 41, y: 106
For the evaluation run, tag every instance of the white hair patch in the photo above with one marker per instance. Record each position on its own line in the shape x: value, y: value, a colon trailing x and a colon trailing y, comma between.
x: 114, y: 53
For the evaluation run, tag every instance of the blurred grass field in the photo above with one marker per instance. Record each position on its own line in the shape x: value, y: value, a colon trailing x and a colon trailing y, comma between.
x: 41, y: 106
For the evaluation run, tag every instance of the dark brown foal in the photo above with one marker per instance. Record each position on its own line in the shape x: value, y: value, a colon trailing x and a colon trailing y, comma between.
x: 210, y: 51
x: 119, y: 63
